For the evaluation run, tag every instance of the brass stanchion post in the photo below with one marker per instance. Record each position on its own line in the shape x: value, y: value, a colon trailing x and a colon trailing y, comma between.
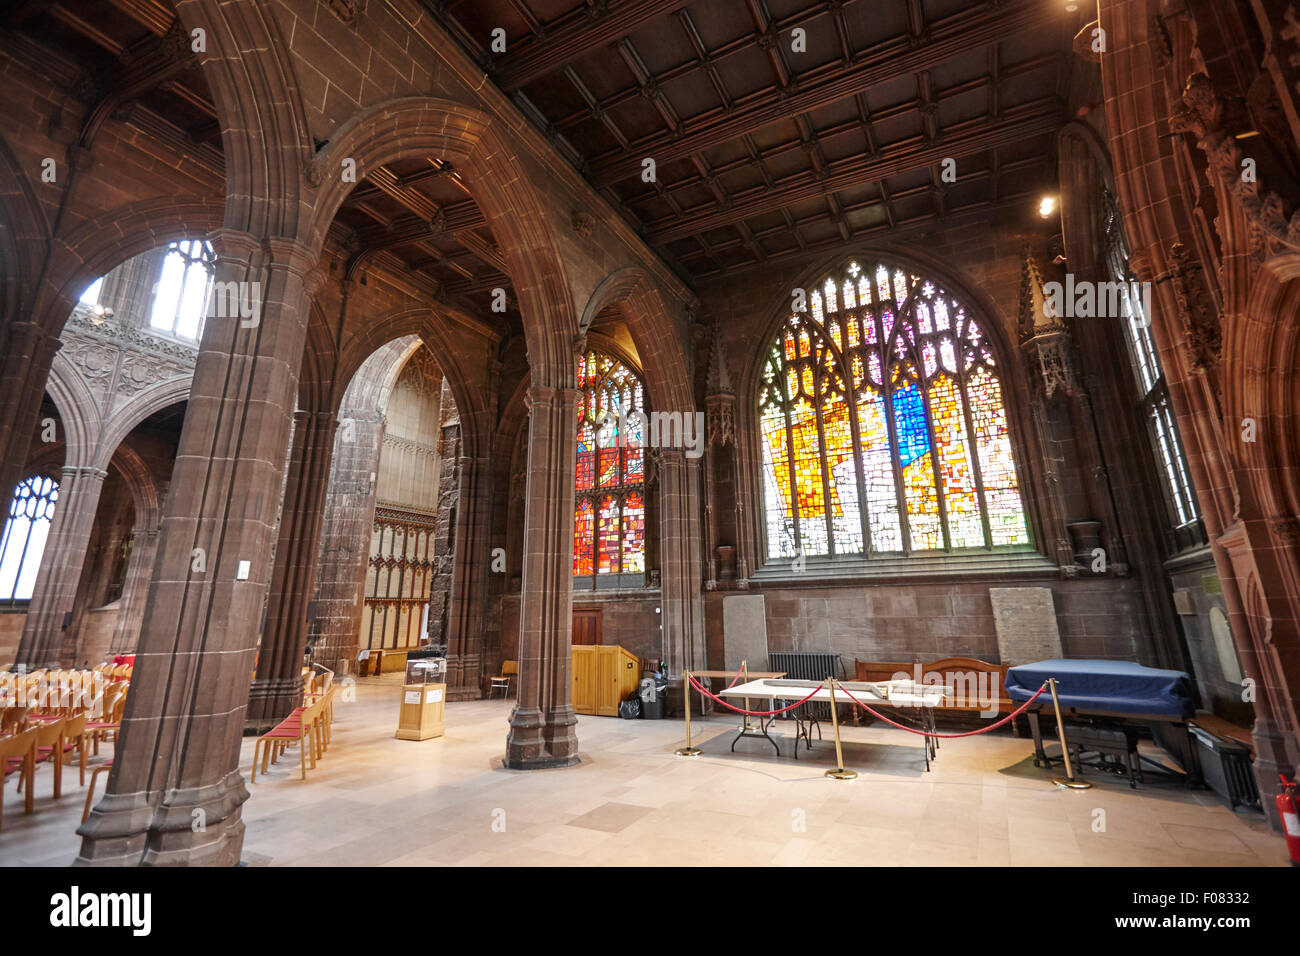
x: 839, y: 773
x: 1068, y: 780
x: 688, y: 750
x: 745, y: 725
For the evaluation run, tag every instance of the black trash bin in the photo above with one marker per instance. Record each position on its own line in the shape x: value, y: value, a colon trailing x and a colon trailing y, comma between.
x: 651, y: 692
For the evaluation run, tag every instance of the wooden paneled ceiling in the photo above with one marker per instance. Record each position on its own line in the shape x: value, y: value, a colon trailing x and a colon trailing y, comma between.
x: 764, y: 151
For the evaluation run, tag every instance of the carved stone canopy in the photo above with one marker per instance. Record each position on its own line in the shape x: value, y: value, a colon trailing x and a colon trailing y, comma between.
x: 1044, y: 337
x: 1214, y: 120
x: 1200, y: 324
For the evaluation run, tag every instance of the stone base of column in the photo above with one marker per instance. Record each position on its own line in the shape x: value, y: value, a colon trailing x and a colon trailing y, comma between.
x: 540, y: 741
x: 270, y: 700
x: 1270, y: 760
x: 195, y: 827
x: 463, y: 681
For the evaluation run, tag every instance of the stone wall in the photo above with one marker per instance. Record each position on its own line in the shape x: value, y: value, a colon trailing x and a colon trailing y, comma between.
x: 1202, y: 613
x: 11, y: 630
x: 893, y: 622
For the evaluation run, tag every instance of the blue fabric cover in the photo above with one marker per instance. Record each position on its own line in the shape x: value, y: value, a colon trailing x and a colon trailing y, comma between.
x: 1121, y: 687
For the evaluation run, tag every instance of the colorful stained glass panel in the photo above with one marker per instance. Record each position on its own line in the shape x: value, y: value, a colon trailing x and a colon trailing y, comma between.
x: 609, y: 527
x: 949, y: 442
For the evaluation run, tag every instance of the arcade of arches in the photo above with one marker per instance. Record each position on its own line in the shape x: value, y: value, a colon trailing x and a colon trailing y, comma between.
x: 302, y: 366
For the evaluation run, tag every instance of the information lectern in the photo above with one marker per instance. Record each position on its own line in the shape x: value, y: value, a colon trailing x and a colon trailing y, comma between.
x: 423, y: 695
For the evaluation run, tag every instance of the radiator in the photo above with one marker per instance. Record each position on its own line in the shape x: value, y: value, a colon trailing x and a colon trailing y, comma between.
x: 1225, y: 766
x: 801, y: 665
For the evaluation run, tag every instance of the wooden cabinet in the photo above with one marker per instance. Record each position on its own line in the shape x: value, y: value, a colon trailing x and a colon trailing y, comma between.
x: 602, y: 677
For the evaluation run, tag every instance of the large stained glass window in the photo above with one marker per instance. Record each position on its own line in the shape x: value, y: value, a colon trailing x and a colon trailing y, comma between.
x: 609, y: 515
x: 882, y: 424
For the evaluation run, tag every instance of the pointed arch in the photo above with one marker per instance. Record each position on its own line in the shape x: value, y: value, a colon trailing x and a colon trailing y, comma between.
x: 79, y: 412
x: 264, y: 132
x: 471, y: 396
x: 659, y: 338
x: 99, y: 245
x: 24, y: 236
x: 474, y: 143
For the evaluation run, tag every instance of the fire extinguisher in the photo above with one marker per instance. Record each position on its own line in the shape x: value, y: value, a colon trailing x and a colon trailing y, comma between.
x: 1290, y: 814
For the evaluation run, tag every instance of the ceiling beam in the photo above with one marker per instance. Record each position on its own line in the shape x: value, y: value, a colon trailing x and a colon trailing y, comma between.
x: 914, y: 228
x: 954, y: 37
x: 153, y: 62
x: 791, y: 227
x: 157, y: 15
x: 916, y: 153
x: 578, y: 37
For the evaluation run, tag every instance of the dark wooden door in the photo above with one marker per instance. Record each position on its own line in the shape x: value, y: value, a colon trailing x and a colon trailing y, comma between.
x: 586, y: 626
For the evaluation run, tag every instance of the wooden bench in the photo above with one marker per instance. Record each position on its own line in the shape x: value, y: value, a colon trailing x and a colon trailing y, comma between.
x: 974, y: 680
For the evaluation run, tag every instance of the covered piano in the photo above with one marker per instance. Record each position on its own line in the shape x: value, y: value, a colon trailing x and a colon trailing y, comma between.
x: 1104, y: 702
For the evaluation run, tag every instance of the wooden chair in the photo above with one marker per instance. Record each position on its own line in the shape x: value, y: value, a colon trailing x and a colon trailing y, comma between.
x: 326, y: 714
x: 105, y: 716
x: 18, y: 753
x: 509, y: 669
x: 77, y: 738
x: 13, y: 720
x: 49, y: 749
x: 299, y: 727
x: 90, y: 794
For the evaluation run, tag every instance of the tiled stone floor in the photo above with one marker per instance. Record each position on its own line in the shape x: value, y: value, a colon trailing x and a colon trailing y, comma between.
x: 375, y: 800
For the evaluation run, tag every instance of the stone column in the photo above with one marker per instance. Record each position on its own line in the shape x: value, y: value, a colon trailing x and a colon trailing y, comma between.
x: 472, y: 563
x: 543, y: 725
x: 442, y: 577
x: 175, y: 791
x: 24, y: 370
x: 345, y: 538
x: 277, y: 688
x: 682, y: 609
x: 61, y: 565
x: 135, y: 589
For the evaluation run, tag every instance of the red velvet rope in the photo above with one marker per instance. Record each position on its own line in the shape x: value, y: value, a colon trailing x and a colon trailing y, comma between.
x: 750, y: 713
x: 925, y: 733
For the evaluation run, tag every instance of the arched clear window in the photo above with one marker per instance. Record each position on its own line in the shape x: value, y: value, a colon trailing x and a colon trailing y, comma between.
x: 31, y: 509
x: 882, y: 424
x: 91, y: 295
x: 1149, y: 379
x: 609, y: 513
x: 184, y: 286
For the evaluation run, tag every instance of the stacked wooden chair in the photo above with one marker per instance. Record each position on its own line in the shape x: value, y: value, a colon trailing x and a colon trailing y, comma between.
x: 51, y: 717
x: 308, y: 727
